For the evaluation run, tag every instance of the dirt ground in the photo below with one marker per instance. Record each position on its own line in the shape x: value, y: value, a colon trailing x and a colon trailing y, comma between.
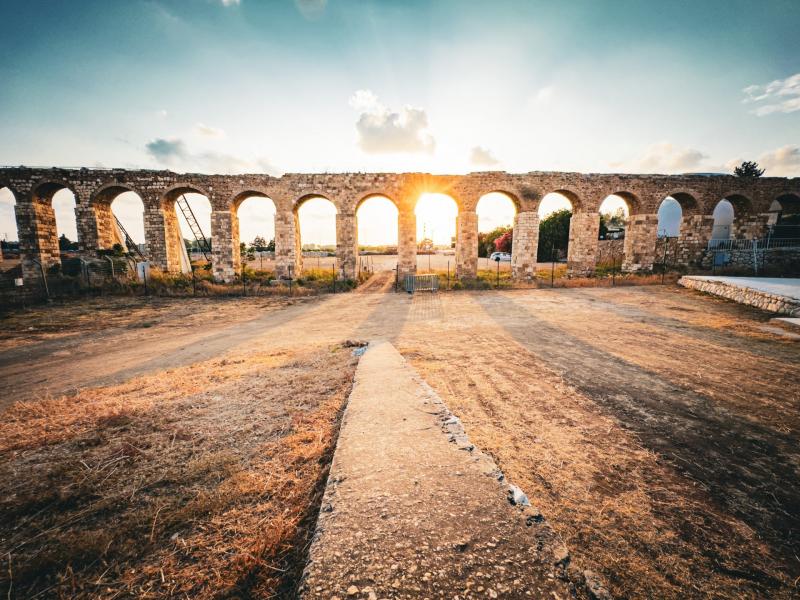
x: 655, y: 428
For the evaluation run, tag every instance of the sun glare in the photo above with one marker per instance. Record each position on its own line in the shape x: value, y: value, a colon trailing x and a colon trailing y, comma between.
x: 436, y: 218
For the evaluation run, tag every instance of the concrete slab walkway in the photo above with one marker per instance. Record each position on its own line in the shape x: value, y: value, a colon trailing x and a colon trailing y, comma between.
x: 413, y: 510
x: 767, y: 293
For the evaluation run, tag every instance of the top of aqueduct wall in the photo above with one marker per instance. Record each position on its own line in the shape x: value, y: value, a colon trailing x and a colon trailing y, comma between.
x: 644, y: 192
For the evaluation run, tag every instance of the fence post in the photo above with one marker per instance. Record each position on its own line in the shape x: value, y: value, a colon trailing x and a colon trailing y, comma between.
x: 553, y: 265
x: 755, y: 257
x: 613, y: 268
x: 44, y: 280
x: 448, y: 275
x: 497, y: 278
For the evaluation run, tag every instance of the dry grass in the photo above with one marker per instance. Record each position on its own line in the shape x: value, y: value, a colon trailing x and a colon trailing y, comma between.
x: 199, y: 482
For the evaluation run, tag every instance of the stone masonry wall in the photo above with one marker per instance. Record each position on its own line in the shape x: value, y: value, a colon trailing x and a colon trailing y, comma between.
x: 467, y: 244
x: 95, y: 189
x: 584, y: 228
x: 640, y: 242
x: 525, y: 244
x: 225, y: 250
x: 763, y: 300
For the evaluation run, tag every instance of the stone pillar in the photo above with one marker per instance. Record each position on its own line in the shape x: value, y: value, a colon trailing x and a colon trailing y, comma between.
x: 641, y: 235
x: 695, y: 232
x: 163, y: 237
x: 96, y: 227
x: 584, y: 228
x: 525, y: 245
x: 38, y: 239
x: 406, y: 242
x: 467, y: 244
x: 226, y: 257
x: 288, y: 256
x: 346, y: 244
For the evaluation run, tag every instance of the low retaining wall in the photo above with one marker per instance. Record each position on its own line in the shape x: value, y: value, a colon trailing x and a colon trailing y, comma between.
x: 744, y: 295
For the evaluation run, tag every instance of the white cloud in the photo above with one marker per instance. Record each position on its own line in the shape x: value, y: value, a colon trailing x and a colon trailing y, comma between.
x: 381, y: 130
x: 162, y: 113
x: 230, y: 2
x: 174, y: 154
x: 545, y: 94
x: 665, y: 157
x: 208, y: 131
x: 482, y: 156
x: 779, y: 96
x: 311, y: 9
x: 783, y: 162
x: 165, y: 151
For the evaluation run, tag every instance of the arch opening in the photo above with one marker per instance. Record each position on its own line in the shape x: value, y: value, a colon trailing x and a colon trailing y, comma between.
x: 9, y: 234
x: 615, y: 213
x: 316, y: 232
x: 555, y: 214
x: 377, y: 223
x: 192, y: 210
x: 785, y: 218
x: 437, y: 216
x: 496, y: 212
x: 256, y: 219
x: 128, y: 211
x: 670, y: 215
x: 723, y: 215
x: 63, y: 203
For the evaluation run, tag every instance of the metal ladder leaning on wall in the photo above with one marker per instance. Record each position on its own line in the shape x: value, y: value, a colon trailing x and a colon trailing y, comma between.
x: 202, y: 241
x: 132, y: 246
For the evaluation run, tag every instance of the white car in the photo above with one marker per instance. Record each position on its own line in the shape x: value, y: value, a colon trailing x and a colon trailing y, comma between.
x: 500, y: 257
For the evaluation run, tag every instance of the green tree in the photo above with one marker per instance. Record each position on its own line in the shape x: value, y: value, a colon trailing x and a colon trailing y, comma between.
x: 553, y: 233
x: 64, y: 243
x: 486, y: 240
x: 748, y: 169
x: 259, y: 243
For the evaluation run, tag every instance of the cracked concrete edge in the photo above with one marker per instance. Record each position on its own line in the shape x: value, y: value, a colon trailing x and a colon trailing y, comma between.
x: 582, y: 579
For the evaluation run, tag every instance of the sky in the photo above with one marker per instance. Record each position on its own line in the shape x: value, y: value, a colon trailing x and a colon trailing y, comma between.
x: 448, y: 86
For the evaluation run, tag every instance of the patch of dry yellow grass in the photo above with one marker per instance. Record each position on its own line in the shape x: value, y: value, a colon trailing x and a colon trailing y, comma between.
x: 198, y: 482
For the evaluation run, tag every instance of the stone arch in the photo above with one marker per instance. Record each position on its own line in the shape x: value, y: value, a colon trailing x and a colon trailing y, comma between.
x: 571, y: 195
x: 44, y: 190
x: 785, y: 216
x: 742, y: 205
x: 12, y: 212
x: 487, y: 222
x: 170, y: 195
x: 631, y: 200
x: 44, y: 238
x: 102, y: 225
x: 239, y: 203
x: 690, y: 205
x: 389, y: 219
x: 502, y: 190
x: 375, y: 194
x: 297, y: 205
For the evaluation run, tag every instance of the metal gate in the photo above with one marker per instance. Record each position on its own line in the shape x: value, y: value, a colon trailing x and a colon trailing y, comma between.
x: 421, y: 283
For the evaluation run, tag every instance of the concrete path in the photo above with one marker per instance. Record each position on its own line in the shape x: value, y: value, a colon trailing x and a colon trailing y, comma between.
x: 789, y: 288
x: 413, y: 510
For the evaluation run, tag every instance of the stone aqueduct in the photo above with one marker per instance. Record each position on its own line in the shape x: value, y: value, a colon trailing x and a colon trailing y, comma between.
x: 95, y: 189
